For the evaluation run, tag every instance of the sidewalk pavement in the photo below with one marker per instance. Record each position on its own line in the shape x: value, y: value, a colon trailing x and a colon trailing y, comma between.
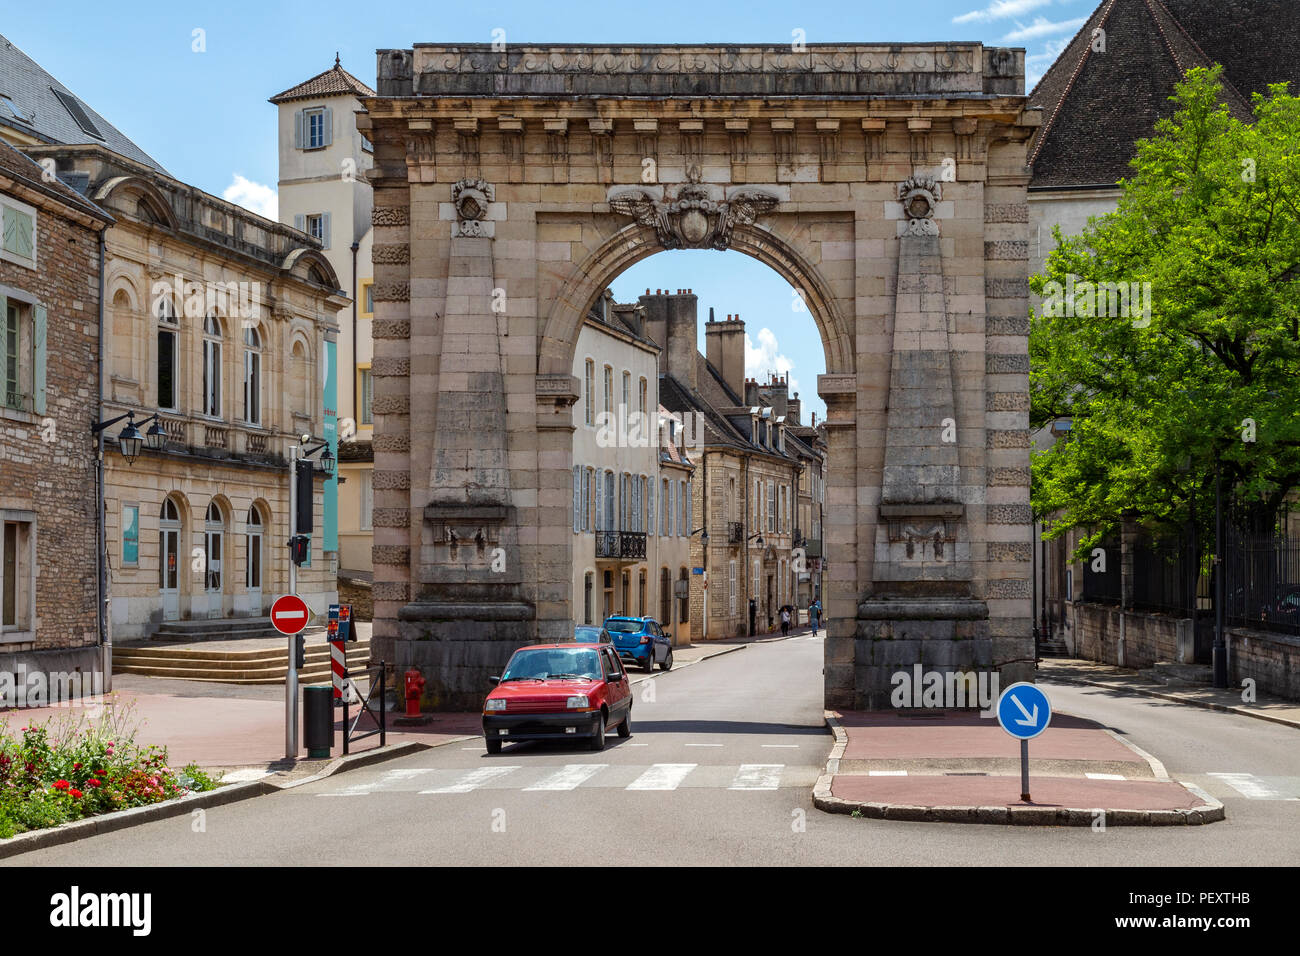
x: 240, y: 728
x: 1123, y: 681
x: 955, y: 766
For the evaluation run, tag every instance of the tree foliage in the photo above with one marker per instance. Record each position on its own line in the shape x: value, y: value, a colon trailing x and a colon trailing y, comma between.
x: 1210, y: 218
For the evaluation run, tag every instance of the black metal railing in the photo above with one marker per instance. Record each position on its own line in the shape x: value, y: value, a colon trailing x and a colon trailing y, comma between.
x: 1164, y: 576
x: 372, y: 704
x: 812, y: 547
x: 735, y: 532
x: 622, y: 545
x: 1261, y: 582
x: 1104, y: 584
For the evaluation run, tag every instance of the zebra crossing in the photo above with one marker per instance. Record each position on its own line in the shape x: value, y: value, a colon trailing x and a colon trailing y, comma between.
x: 1251, y: 787
x: 660, y: 777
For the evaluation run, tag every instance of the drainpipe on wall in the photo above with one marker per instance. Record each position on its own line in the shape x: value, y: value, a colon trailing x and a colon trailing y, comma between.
x: 101, y: 545
x: 356, y: 290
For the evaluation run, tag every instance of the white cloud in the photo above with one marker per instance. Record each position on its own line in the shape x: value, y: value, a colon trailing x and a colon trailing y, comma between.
x: 766, y: 357
x: 1042, y: 27
x: 1038, y: 63
x: 263, y: 200
x: 999, y: 9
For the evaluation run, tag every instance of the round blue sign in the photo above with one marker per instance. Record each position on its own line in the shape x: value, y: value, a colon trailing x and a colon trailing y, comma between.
x: 1024, y: 711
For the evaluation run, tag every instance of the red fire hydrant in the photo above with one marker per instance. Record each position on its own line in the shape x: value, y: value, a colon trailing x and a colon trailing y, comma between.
x: 414, y: 688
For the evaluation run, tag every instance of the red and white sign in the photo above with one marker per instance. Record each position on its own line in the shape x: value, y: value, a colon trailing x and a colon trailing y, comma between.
x: 289, y: 614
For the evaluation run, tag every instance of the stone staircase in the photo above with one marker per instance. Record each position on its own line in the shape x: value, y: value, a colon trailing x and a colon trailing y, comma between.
x: 1180, y: 675
x: 261, y: 665
x: 1053, y: 648
x: 217, y: 629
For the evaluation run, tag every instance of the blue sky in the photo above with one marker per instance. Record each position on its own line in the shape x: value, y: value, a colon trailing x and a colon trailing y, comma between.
x: 204, y: 116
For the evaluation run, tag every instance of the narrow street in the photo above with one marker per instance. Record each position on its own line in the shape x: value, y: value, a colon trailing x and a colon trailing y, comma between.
x: 719, y: 769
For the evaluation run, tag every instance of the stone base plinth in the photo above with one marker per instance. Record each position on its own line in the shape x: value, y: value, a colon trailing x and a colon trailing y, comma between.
x: 893, y: 635
x: 458, y: 646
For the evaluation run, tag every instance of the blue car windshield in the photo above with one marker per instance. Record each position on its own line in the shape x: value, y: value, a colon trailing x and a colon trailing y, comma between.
x: 624, y: 627
x: 543, y: 663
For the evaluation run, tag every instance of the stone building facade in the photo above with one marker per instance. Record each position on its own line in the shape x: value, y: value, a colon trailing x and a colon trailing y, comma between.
x: 49, y: 350
x: 886, y: 183
x: 221, y: 321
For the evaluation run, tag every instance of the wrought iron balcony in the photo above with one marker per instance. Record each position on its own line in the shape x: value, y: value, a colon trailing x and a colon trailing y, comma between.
x: 621, y: 545
x: 812, y: 547
x: 735, y: 532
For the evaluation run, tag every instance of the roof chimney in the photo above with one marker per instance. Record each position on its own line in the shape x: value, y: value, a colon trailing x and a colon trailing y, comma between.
x: 724, y: 344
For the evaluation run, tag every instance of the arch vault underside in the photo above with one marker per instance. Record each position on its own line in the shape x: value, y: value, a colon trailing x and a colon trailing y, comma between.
x: 886, y: 183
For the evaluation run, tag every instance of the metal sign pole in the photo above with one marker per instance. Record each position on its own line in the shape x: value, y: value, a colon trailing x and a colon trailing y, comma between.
x: 291, y: 672
x: 1024, y: 771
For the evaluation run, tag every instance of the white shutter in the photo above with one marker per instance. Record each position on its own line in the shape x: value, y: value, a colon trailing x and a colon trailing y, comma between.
x: 4, y: 349
x: 600, y: 501
x: 298, y: 137
x: 300, y: 222
x: 325, y: 230
x: 577, y: 497
x: 328, y: 132
x: 650, y: 505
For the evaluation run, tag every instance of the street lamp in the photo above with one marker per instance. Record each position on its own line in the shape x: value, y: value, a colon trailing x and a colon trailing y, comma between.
x: 758, y: 535
x: 704, y: 537
x: 130, y: 440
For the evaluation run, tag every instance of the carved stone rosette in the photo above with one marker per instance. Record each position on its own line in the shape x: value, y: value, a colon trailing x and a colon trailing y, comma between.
x: 919, y: 195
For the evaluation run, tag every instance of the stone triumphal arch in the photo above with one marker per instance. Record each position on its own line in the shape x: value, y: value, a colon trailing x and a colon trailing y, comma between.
x: 886, y: 183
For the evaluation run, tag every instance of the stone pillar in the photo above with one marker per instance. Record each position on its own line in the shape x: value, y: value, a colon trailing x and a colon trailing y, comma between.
x: 921, y: 609
x: 468, y: 614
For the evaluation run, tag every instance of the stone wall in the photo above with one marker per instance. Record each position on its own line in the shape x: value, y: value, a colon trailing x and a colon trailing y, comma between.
x: 1148, y: 637
x: 359, y: 594
x: 1271, y: 660
x: 47, y: 461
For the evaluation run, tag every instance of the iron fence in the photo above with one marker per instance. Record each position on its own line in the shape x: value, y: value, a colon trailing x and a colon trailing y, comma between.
x: 1102, y: 584
x: 1261, y: 582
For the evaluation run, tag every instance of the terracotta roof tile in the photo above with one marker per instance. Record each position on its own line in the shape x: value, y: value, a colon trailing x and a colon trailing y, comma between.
x: 335, y: 81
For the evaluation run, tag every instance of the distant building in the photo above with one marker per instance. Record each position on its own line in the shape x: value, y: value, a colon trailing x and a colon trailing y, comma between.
x: 222, y: 323
x: 632, y: 478
x: 49, y: 356
x: 324, y: 192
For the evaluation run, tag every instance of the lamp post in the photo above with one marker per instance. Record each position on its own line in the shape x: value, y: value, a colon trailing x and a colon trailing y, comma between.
x: 129, y: 442
x: 299, y: 457
x: 704, y: 544
x: 1220, y: 658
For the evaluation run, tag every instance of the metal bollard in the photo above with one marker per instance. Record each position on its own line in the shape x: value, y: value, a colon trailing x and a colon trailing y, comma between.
x: 318, y: 715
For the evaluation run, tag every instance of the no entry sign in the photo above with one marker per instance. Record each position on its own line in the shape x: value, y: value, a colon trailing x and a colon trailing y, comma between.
x: 289, y: 614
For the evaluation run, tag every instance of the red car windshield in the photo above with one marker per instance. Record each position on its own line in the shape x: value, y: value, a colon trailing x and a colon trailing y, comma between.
x: 553, y: 663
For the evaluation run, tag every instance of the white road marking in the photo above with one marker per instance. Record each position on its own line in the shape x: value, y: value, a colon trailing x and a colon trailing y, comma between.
x: 703, y: 745
x: 383, y: 783
x: 886, y: 773
x: 473, y: 780
x: 570, y: 777
x: 662, y: 776
x: 758, y: 776
x: 782, y: 746
x: 1104, y: 776
x: 1248, y: 785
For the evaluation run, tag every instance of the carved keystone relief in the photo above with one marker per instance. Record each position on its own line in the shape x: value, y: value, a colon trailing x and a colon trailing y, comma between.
x: 696, y: 218
x: 471, y: 198
x: 919, y: 195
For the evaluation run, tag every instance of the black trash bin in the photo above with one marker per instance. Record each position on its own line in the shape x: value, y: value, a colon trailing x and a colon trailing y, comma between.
x: 318, y: 716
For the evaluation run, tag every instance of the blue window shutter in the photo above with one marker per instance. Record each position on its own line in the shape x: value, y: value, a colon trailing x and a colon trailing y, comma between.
x: 38, y: 377
x: 328, y: 132
x: 325, y: 230
x: 298, y: 137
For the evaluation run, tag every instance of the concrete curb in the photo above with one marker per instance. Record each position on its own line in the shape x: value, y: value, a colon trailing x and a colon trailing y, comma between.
x: 1206, y: 704
x: 232, y: 793
x: 827, y: 802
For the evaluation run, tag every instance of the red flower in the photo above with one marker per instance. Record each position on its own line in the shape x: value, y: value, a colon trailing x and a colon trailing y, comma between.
x: 92, y: 782
x: 61, y: 785
x: 76, y: 766
x: 75, y: 792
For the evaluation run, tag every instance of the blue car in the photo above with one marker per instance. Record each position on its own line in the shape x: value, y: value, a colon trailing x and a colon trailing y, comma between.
x: 641, y: 641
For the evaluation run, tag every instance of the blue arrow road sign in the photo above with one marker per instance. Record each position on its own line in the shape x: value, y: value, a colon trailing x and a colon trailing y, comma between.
x: 1024, y: 711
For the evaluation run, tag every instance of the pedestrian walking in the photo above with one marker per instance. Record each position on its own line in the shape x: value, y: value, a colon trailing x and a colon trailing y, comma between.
x: 814, y: 614
x: 785, y: 621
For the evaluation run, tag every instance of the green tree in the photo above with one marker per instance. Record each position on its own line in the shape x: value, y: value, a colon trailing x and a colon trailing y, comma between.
x: 1203, y: 372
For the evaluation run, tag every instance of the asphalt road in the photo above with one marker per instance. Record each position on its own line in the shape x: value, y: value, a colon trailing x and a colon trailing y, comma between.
x: 719, y: 770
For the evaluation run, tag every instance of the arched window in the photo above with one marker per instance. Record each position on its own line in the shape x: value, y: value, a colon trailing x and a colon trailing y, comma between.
x: 642, y: 396
x: 168, y: 370
x: 215, y: 540
x: 169, y: 535
x: 665, y: 596
x: 684, y: 602
x: 252, y: 376
x: 253, y: 569
x: 590, y: 404
x: 300, y: 384
x: 212, y: 366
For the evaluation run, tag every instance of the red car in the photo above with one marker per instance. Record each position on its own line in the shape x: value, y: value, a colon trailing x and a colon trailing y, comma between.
x: 558, y: 692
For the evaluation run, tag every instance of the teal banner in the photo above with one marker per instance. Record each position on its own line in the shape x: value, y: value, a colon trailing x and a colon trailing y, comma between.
x: 330, y: 540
